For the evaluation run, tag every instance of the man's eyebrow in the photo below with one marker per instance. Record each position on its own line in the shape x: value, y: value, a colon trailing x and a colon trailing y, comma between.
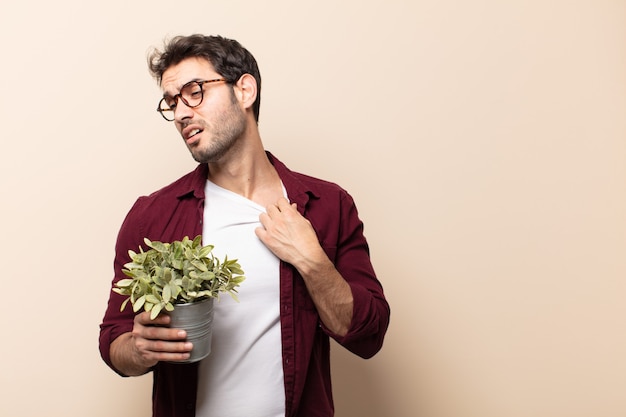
x: 166, y: 95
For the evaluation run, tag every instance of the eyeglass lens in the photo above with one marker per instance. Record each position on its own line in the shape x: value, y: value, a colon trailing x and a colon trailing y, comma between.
x: 190, y: 94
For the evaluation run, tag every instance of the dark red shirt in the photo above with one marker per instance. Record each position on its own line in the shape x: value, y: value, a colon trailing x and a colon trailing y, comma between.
x: 176, y: 211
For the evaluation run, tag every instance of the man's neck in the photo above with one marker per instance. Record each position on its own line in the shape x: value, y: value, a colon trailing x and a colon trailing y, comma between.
x: 250, y: 174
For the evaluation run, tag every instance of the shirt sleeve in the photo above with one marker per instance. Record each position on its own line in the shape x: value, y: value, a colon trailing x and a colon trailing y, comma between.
x: 116, y: 322
x: 371, y: 311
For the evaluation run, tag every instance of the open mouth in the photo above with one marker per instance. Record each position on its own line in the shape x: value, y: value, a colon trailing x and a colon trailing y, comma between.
x: 193, y: 133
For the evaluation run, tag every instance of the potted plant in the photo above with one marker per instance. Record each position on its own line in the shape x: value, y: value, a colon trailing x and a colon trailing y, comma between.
x: 181, y: 278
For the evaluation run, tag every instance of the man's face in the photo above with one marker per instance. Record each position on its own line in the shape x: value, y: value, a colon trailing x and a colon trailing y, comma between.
x: 212, y: 128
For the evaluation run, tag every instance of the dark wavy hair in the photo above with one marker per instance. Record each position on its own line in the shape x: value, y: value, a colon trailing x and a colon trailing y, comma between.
x: 228, y: 57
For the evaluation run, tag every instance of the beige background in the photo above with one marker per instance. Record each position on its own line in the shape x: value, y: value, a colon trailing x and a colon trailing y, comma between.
x: 484, y: 143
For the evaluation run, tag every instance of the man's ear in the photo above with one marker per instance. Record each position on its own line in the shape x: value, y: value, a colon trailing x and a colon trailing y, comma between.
x: 246, y: 91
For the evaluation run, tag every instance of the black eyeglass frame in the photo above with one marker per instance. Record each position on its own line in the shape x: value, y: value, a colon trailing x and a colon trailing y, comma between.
x: 175, y: 98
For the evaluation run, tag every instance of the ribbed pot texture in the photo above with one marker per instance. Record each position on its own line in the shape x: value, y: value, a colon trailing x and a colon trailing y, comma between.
x: 197, y: 320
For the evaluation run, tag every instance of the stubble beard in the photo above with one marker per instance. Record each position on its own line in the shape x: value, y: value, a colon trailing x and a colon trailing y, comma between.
x: 225, y: 132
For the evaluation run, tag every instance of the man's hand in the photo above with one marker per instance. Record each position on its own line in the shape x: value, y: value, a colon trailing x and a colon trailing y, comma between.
x: 292, y: 238
x: 149, y: 342
x: 289, y: 235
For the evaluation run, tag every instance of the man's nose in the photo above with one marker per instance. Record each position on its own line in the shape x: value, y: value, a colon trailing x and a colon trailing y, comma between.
x: 182, y: 111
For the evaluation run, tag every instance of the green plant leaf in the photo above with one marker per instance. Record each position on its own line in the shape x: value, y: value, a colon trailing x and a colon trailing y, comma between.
x: 167, y: 293
x: 139, y: 303
x: 151, y: 298
x: 199, y: 265
x: 155, y: 311
x: 205, y: 251
x: 122, y: 283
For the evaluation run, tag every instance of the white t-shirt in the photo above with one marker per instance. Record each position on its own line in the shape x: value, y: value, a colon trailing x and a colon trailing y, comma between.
x: 243, y: 374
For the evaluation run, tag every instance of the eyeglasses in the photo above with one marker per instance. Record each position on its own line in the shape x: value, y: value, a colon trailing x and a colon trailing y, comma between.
x: 191, y: 94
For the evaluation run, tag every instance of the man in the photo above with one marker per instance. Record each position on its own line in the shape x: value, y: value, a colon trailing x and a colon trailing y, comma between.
x: 299, y: 240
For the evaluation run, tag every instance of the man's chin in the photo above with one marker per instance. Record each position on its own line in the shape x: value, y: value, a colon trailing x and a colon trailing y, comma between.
x: 206, y: 157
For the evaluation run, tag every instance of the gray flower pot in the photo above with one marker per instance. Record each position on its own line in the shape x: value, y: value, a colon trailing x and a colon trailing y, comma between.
x: 197, y: 320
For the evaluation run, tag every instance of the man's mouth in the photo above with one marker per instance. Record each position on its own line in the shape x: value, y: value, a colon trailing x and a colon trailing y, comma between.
x: 189, y: 133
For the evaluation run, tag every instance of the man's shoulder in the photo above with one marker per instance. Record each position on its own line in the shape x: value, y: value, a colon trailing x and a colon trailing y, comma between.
x: 305, y: 182
x: 189, y: 183
x: 317, y: 184
x: 167, y: 211
x: 189, y: 187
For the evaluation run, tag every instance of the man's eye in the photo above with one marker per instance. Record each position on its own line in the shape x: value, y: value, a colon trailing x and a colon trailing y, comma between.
x: 192, y: 91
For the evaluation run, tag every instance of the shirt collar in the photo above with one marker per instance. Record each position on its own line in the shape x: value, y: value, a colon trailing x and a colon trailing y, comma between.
x: 298, y: 192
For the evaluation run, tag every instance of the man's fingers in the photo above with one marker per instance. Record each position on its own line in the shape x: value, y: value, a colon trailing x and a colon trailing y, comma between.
x: 162, y: 333
x: 162, y: 346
